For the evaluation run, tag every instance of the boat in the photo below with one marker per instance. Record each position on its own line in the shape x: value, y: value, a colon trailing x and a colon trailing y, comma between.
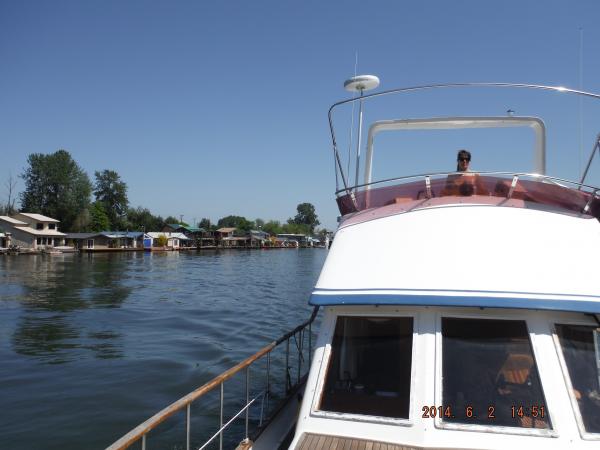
x: 458, y: 309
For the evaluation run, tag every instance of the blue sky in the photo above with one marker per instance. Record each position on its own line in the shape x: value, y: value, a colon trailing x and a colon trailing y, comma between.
x: 213, y: 108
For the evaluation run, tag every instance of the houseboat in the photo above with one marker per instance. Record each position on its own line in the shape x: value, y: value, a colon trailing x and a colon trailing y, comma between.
x: 460, y: 309
x: 32, y: 232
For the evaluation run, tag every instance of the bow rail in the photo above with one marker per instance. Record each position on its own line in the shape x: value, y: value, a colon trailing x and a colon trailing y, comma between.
x: 299, y: 334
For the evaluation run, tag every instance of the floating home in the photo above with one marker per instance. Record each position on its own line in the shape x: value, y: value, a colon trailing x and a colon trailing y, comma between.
x: 106, y: 240
x: 33, y: 232
x: 175, y: 241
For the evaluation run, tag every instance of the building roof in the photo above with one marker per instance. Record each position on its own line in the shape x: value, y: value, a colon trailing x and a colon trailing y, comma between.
x: 107, y: 234
x: 121, y: 234
x: 12, y: 221
x: 227, y: 229
x: 30, y: 230
x: 156, y: 234
x: 38, y: 217
x: 178, y: 226
x: 80, y: 235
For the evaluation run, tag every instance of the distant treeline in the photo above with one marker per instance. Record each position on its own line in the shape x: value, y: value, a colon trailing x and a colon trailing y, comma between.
x: 56, y: 186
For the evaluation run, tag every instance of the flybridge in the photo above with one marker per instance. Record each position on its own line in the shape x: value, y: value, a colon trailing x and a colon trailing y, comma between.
x: 533, y: 186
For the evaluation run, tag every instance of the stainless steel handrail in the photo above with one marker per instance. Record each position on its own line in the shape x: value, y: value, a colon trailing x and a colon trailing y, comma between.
x: 559, y: 89
x: 592, y: 154
x: 142, y: 430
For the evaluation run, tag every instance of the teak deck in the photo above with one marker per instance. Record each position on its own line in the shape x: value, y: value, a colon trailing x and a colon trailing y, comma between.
x: 310, y: 441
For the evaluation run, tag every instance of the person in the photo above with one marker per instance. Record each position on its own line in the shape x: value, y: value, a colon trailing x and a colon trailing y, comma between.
x: 463, y: 182
x: 463, y: 159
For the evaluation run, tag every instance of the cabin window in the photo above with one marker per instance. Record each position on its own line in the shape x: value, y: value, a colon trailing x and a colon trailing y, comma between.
x: 39, y: 226
x: 51, y: 226
x: 369, y: 369
x: 489, y: 375
x: 579, y: 345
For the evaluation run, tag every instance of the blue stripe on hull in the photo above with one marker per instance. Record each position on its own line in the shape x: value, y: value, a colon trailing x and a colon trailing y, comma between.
x: 446, y: 300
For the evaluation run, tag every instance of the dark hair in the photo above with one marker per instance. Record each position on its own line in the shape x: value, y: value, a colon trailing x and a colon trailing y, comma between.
x: 462, y: 154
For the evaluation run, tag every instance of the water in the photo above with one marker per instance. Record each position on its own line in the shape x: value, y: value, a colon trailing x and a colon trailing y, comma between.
x: 92, y: 345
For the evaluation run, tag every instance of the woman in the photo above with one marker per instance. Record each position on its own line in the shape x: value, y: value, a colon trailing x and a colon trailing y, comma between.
x: 464, y: 183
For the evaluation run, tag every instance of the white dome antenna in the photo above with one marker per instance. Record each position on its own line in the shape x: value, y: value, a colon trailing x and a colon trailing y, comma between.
x: 360, y: 83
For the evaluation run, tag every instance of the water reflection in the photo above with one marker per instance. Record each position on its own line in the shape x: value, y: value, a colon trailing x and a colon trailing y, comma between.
x: 66, y: 286
x: 42, y: 337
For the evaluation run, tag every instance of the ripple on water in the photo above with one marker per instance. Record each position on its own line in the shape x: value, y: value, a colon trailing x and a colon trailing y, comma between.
x: 92, y: 345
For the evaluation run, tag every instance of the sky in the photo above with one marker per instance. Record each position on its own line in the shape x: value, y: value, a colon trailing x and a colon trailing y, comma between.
x: 212, y: 108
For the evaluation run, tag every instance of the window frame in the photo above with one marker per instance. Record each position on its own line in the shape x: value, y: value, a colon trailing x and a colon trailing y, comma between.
x: 585, y: 435
x: 496, y: 429
x: 324, y: 368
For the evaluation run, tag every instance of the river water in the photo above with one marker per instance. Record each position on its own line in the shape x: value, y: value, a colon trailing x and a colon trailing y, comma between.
x: 92, y: 345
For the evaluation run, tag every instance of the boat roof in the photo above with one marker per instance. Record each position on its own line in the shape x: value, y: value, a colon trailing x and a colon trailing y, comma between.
x: 465, y: 255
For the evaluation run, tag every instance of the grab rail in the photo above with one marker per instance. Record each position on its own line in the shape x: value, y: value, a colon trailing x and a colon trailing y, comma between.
x: 142, y: 430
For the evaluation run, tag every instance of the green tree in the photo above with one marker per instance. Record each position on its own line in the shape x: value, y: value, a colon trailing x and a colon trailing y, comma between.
x: 141, y: 219
x: 239, y: 222
x: 272, y: 227
x: 161, y: 240
x: 205, y: 223
x: 82, y: 221
x: 55, y: 186
x: 323, y: 232
x: 171, y: 219
x: 306, y: 216
x: 99, y: 220
x: 295, y: 228
x: 111, y: 191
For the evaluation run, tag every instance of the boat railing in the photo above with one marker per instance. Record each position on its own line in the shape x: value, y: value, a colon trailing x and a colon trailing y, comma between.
x: 299, y: 337
x: 344, y: 174
x: 534, y: 188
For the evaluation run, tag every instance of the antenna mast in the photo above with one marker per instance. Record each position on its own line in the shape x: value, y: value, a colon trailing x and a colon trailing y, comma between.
x: 360, y: 84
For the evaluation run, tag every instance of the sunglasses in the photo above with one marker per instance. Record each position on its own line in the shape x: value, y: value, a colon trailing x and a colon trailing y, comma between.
x: 464, y: 159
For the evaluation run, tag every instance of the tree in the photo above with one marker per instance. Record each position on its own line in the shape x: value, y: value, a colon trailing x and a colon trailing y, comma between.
x: 99, y: 220
x: 162, y: 241
x: 82, y: 222
x: 272, y: 227
x: 323, y: 233
x: 295, y: 228
x: 306, y: 216
x: 143, y: 220
x: 9, y: 208
x: 239, y: 222
x: 55, y: 186
x: 112, y: 193
x: 205, y: 223
x: 171, y: 219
